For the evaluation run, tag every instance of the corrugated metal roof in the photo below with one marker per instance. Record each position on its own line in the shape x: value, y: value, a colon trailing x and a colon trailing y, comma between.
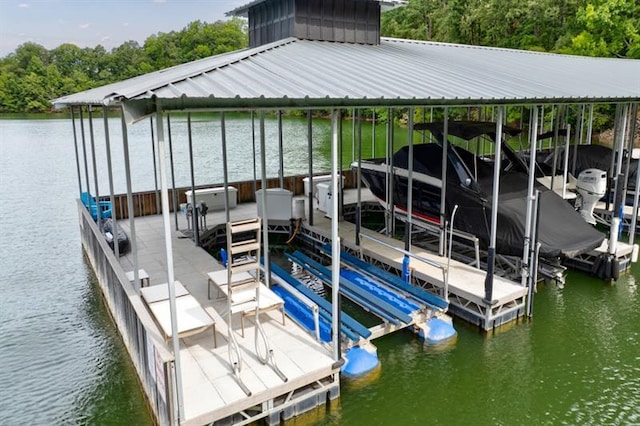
x: 306, y: 74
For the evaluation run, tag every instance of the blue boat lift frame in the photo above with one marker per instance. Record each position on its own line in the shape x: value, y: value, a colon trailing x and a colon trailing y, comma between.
x: 396, y: 307
x: 416, y: 293
x: 351, y: 328
x: 368, y: 301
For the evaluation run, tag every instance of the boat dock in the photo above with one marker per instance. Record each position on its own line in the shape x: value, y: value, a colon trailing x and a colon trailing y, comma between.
x: 210, y: 390
x: 466, y: 283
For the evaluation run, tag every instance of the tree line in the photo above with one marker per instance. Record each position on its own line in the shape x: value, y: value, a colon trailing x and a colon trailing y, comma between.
x: 32, y: 75
x: 605, y: 28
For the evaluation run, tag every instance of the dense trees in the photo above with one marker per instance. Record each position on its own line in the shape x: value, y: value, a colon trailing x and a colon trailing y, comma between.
x: 607, y: 28
x: 32, y: 75
x: 583, y: 27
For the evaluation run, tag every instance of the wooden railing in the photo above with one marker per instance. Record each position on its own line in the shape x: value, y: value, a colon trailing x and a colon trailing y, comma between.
x: 146, y: 203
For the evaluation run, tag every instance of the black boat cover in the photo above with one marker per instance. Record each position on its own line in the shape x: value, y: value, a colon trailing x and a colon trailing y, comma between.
x: 561, y: 230
x: 466, y: 130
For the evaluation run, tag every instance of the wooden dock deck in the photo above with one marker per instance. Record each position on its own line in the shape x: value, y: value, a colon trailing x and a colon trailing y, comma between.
x: 210, y: 390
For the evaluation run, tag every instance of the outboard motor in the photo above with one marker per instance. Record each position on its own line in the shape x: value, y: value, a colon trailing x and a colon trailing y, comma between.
x: 591, y: 187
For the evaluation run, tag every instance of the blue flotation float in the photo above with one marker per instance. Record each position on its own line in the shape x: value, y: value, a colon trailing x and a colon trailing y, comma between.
x: 437, y: 330
x: 360, y: 360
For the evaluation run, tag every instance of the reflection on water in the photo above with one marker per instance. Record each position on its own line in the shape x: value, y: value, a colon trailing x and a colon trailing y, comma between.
x: 61, y: 361
x: 360, y: 382
x: 576, y: 362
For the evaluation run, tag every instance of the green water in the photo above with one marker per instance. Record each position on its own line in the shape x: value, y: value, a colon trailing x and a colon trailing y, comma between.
x: 576, y: 362
x: 62, y: 362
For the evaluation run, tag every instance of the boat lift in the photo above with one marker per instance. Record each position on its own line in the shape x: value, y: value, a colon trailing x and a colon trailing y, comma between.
x: 314, y: 313
x: 397, y: 305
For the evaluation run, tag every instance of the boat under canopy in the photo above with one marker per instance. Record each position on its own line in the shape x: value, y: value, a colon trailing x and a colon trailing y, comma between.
x: 561, y: 230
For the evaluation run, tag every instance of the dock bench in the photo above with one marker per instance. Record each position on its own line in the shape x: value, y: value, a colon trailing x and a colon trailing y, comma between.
x: 192, y: 318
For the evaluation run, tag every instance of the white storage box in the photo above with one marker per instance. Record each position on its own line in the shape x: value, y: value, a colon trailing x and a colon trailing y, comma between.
x: 278, y: 203
x: 214, y: 197
x: 316, y: 181
x: 321, y: 196
x: 326, y: 197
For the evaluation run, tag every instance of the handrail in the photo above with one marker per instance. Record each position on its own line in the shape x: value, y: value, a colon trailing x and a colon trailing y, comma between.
x: 408, y: 253
x: 429, y: 227
x: 303, y: 299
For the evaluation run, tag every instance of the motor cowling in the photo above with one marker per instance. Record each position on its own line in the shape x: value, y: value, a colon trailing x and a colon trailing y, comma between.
x: 591, y: 187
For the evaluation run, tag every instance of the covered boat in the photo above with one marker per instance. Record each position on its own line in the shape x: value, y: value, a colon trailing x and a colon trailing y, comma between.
x: 469, y: 183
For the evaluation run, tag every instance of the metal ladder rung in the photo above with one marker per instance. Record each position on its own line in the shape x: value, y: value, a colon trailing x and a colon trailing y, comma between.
x: 249, y: 265
x: 245, y: 306
x: 244, y: 247
x: 248, y: 284
x: 244, y: 226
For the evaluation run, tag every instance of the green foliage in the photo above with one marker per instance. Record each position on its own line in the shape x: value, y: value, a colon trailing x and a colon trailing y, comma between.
x: 32, y: 75
x: 581, y: 27
x: 609, y: 28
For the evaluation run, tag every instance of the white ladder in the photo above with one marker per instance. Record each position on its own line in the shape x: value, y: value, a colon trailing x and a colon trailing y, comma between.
x: 243, y: 255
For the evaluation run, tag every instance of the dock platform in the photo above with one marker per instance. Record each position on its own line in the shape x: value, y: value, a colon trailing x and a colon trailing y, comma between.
x: 603, y: 215
x: 210, y: 391
x: 466, y: 283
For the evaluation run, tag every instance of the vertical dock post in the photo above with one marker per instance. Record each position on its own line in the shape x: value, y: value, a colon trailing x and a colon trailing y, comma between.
x: 194, y: 210
x: 107, y: 141
x: 130, y: 211
x: 335, y: 242
x: 174, y: 194
x: 491, y: 252
x: 310, y: 149
x: 443, y: 189
x: 75, y: 144
x: 169, y: 253
x: 533, y: 139
x: 407, y: 231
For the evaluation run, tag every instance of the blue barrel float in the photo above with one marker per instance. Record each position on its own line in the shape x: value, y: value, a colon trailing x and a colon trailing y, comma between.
x: 437, y: 329
x: 360, y: 360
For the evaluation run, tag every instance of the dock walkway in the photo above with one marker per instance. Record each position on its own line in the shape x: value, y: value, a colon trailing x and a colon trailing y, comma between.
x: 210, y: 390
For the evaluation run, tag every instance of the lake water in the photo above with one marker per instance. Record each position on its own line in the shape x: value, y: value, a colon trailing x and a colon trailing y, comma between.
x: 62, y: 362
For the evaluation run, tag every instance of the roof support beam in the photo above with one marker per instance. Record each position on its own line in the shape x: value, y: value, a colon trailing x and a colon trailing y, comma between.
x: 491, y: 252
x: 169, y: 253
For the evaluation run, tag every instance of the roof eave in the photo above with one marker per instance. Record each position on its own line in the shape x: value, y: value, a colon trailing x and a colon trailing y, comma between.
x: 136, y: 109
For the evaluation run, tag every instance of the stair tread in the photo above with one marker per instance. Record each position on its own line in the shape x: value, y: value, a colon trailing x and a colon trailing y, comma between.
x: 245, y: 248
x: 243, y: 267
x: 237, y: 228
